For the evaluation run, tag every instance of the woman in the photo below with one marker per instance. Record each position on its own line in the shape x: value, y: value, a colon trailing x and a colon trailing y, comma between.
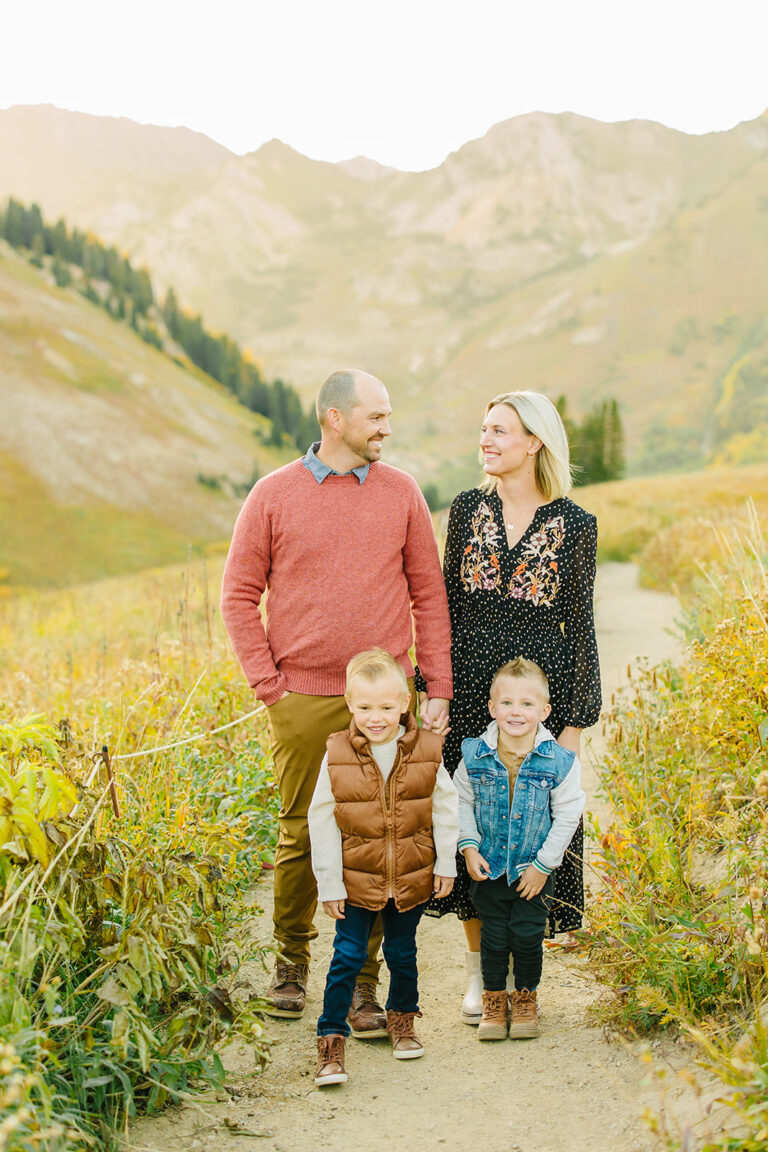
x: 519, y: 569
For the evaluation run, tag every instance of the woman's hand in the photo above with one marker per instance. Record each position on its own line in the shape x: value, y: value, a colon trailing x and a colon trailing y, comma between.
x: 442, y: 885
x: 531, y: 882
x: 477, y: 866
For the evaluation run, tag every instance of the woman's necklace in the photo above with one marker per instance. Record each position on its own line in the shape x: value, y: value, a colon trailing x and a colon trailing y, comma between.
x: 523, y: 512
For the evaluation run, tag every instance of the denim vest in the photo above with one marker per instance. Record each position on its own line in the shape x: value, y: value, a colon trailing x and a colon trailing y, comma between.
x: 511, y: 838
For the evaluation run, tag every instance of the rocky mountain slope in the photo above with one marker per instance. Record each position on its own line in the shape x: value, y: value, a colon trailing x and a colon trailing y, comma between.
x: 556, y: 253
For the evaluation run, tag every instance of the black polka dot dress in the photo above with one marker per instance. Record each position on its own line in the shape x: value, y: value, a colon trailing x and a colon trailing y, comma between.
x: 534, y: 600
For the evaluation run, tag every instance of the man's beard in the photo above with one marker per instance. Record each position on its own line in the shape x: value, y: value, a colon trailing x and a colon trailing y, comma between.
x: 366, y: 449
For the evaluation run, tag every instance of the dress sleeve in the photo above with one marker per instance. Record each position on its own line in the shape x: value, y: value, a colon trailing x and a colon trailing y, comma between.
x: 454, y: 549
x: 584, y: 706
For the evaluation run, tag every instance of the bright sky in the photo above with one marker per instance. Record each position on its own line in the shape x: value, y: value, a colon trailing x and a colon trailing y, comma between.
x: 402, y: 81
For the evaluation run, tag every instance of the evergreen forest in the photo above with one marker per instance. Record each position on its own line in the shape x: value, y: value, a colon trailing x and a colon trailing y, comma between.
x: 106, y: 277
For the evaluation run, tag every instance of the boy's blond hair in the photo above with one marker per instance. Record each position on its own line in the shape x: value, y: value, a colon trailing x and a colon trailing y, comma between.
x: 374, y: 664
x: 522, y: 669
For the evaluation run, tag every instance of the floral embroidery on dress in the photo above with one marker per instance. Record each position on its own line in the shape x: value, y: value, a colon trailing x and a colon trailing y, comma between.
x: 480, y: 567
x: 537, y: 576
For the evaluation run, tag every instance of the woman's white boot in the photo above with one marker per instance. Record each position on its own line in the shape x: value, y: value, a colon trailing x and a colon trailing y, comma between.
x: 472, y: 1004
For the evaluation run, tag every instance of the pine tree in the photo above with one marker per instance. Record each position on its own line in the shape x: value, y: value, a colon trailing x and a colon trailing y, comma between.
x: 32, y: 225
x: 432, y: 496
x: 171, y: 313
x: 13, y: 224
x: 38, y: 250
x: 61, y: 273
x: 59, y: 240
x: 614, y: 442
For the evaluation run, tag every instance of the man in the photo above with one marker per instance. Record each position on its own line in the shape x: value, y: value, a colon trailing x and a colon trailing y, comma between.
x: 344, y: 546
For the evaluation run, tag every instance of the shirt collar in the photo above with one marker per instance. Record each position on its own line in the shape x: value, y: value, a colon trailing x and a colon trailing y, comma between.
x: 320, y: 470
x: 490, y: 738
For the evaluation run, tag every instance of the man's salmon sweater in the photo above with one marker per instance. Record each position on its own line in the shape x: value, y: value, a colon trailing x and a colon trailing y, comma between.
x: 346, y: 566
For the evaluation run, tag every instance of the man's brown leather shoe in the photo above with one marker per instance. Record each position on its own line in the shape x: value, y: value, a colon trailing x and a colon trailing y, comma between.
x: 405, y: 1043
x: 330, y: 1060
x: 366, y: 1017
x: 523, y: 1015
x: 287, y: 992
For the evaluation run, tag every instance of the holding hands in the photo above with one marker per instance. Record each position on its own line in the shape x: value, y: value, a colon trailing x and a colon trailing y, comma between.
x: 434, y: 714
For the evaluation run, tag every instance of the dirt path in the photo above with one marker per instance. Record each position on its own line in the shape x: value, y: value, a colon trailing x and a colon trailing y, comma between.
x: 572, y: 1088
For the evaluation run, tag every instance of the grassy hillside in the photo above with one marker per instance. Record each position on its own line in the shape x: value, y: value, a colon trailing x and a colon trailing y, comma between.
x: 112, y: 456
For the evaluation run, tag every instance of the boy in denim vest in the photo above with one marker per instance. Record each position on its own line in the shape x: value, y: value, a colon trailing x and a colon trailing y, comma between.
x: 520, y: 802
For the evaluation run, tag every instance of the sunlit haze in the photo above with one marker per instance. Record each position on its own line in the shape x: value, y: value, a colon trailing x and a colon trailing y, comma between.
x: 403, y: 82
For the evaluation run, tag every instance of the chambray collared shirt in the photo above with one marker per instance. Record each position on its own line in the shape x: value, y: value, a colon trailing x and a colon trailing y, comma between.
x: 320, y: 470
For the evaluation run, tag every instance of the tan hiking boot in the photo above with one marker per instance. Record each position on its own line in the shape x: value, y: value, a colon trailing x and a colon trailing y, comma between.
x: 493, y: 1025
x: 330, y: 1060
x: 287, y: 992
x: 405, y: 1043
x: 524, y: 1016
x: 366, y: 1017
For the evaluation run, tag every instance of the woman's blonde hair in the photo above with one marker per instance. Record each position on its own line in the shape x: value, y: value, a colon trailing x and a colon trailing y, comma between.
x: 541, y: 419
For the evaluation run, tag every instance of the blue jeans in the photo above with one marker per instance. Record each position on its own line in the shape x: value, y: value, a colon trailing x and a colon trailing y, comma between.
x: 349, y: 954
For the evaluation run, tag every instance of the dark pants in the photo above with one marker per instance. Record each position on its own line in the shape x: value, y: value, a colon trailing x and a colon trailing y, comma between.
x: 349, y: 952
x: 510, y: 924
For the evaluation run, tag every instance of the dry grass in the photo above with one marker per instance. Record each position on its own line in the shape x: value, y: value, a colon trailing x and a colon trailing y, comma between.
x: 670, y: 524
x: 138, y: 910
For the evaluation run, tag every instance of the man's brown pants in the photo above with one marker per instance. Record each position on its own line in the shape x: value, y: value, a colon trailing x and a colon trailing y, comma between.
x: 299, y: 726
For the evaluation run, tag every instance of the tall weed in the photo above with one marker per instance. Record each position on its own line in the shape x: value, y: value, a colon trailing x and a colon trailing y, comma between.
x: 123, y: 924
x: 680, y: 924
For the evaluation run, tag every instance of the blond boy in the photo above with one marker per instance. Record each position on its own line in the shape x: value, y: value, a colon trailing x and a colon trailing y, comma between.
x: 383, y: 826
x: 520, y: 802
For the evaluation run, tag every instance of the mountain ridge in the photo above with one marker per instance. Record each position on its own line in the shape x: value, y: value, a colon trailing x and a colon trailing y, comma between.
x: 541, y: 255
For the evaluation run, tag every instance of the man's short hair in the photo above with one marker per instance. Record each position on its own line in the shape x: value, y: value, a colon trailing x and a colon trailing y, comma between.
x: 374, y: 664
x: 339, y: 391
x: 522, y: 669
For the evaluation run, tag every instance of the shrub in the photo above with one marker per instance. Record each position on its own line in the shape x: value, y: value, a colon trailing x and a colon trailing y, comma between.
x: 680, y: 925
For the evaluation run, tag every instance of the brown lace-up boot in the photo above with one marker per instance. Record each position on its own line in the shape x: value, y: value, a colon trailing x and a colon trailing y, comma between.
x: 287, y: 992
x: 366, y: 1017
x: 330, y: 1060
x: 493, y: 1025
x: 405, y: 1043
x: 524, y: 1017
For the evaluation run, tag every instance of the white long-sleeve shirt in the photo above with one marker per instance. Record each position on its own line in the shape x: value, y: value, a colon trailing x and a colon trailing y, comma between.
x: 325, y: 836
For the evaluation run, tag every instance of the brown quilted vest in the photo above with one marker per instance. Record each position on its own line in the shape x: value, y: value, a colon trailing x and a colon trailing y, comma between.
x: 386, y: 831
